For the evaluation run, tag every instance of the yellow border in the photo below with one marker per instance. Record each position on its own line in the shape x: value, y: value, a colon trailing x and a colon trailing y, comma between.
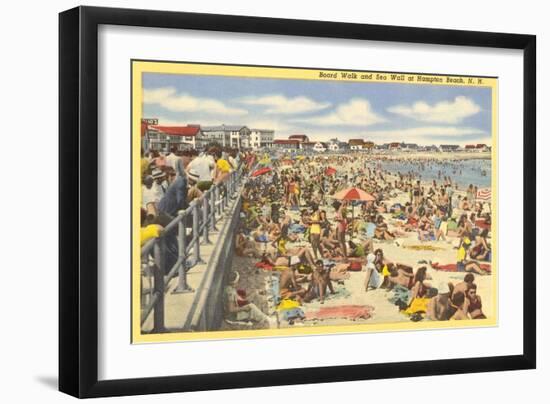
x: 140, y: 67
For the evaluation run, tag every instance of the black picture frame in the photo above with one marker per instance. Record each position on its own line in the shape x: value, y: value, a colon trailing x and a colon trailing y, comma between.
x: 78, y: 196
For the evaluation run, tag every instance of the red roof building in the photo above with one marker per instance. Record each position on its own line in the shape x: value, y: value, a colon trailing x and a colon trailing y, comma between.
x: 177, y: 130
x: 301, y: 138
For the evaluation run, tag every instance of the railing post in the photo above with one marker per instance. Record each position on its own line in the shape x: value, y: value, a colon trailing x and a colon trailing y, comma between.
x: 219, y: 201
x: 212, y: 209
x: 182, y: 287
x: 205, y: 218
x: 196, y: 234
x: 158, y: 279
x: 230, y: 184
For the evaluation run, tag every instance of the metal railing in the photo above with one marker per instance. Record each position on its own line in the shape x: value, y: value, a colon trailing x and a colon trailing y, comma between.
x: 186, y: 233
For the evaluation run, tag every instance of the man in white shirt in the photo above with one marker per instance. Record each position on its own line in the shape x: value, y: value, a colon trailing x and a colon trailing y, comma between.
x: 203, y: 166
x: 172, y: 158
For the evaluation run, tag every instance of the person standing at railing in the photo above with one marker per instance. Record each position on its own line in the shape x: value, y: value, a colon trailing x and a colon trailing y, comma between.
x: 168, y: 207
x: 223, y: 168
x: 175, y: 198
x: 204, y: 165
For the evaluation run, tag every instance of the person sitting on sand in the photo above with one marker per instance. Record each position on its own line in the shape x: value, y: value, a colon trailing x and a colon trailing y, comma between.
x: 439, y: 307
x: 360, y: 249
x: 245, y: 247
x: 381, y: 232
x: 420, y: 286
x: 288, y: 282
x: 373, y: 279
x: 284, y: 253
x: 462, y: 262
x: 473, y: 303
x: 320, y: 282
x: 426, y: 227
x: 237, y: 307
x: 458, y: 302
x: 463, y: 286
x: 482, y: 250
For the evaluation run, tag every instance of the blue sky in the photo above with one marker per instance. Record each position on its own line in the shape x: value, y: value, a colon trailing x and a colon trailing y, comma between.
x: 382, y: 112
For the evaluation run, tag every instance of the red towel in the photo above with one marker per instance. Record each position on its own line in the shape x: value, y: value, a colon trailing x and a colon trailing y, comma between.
x: 264, y: 265
x: 351, y: 312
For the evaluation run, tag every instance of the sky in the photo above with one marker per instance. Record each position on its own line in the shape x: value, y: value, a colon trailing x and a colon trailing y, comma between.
x: 381, y: 112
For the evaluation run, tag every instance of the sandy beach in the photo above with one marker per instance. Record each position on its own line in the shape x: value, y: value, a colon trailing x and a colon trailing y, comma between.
x: 405, y: 249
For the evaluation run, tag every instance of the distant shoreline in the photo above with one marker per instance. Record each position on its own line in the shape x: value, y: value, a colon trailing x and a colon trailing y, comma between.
x: 394, y: 155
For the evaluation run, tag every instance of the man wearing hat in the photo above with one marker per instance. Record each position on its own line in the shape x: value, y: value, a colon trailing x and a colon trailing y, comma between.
x: 175, y: 196
x: 161, y: 185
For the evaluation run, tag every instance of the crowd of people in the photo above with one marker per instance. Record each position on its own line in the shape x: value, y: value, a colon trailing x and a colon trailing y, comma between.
x: 292, y: 226
x: 171, y: 181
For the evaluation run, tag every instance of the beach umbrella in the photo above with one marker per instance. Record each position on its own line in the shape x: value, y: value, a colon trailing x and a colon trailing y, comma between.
x: 330, y: 171
x: 484, y: 194
x: 353, y: 194
x: 261, y: 171
x: 287, y: 162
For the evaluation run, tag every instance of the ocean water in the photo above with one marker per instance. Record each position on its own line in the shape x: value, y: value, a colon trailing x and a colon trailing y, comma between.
x: 463, y: 172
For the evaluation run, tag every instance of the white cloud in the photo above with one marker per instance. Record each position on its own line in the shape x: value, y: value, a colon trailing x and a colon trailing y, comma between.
x: 442, y: 112
x: 356, y: 112
x: 279, y: 104
x: 169, y: 99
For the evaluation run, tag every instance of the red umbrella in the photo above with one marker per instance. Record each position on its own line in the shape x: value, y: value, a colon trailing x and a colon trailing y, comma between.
x: 261, y: 171
x: 330, y: 171
x: 354, y: 194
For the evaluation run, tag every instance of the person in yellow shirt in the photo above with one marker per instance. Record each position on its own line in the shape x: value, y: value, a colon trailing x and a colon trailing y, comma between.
x: 223, y: 168
x: 148, y: 231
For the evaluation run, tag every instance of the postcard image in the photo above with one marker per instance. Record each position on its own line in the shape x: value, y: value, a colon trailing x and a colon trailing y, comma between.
x: 281, y: 201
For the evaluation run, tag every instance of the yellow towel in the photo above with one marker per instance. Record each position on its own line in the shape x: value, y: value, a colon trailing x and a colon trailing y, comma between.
x: 287, y: 304
x: 418, y: 304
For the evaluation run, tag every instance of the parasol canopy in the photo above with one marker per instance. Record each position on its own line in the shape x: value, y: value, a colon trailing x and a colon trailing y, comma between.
x: 353, y: 194
x: 261, y: 171
x: 330, y: 171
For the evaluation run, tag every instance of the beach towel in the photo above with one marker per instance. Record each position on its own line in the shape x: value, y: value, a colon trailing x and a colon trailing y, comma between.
x: 296, y: 228
x: 482, y: 224
x: 422, y: 247
x: 350, y: 312
x: 418, y: 304
x: 287, y: 304
x: 264, y: 265
x: 453, y: 267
